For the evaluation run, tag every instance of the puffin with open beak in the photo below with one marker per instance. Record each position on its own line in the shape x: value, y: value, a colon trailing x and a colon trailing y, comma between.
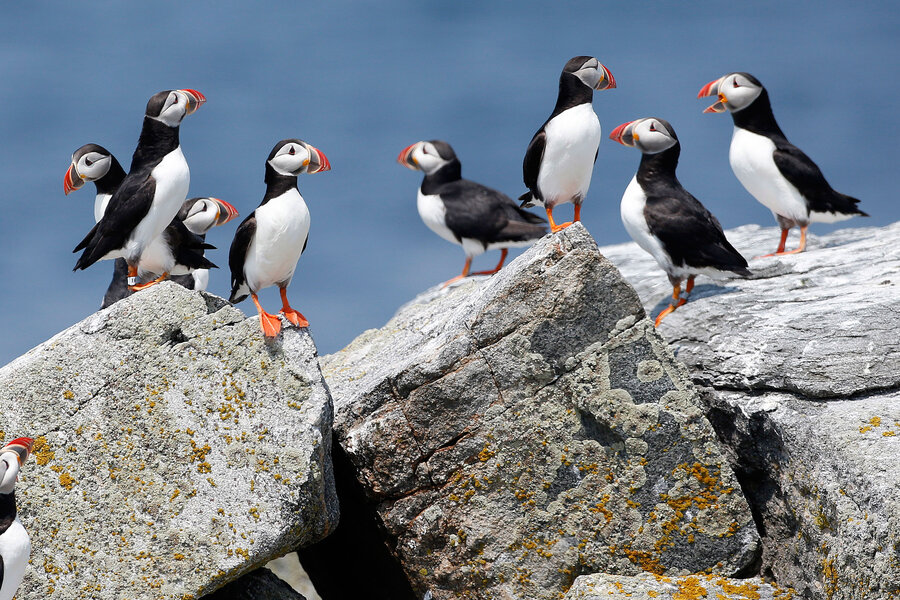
x: 463, y: 212
x: 152, y: 192
x: 269, y: 242
x: 665, y: 219
x: 560, y: 159
x: 775, y: 172
x: 15, y: 545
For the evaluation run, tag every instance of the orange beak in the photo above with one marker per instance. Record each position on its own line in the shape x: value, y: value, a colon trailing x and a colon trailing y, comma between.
x: 608, y: 83
x: 71, y: 181
x: 406, y: 158
x: 711, y: 89
x: 318, y: 162
x: 622, y: 134
x: 21, y: 446
x: 226, y: 211
x: 195, y: 99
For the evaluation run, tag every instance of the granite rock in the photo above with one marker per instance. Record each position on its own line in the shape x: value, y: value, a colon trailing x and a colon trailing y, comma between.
x: 656, y: 587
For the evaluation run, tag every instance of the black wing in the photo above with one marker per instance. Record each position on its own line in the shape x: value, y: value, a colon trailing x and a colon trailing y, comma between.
x: 805, y: 175
x: 690, y: 234
x: 238, y: 254
x: 128, y: 206
x: 481, y: 213
x: 187, y: 247
x: 118, y: 287
x: 531, y: 166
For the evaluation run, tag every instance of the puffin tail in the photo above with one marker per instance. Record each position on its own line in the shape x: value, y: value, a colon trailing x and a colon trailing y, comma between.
x: 528, y: 199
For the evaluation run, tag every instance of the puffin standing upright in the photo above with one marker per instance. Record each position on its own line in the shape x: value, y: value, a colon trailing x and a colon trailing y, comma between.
x: 560, y: 158
x: 153, y: 191
x: 665, y: 219
x: 474, y: 216
x: 269, y: 242
x: 178, y: 250
x: 15, y: 545
x: 775, y: 172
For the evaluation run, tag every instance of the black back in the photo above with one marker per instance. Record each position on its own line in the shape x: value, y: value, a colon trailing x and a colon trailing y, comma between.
x: 237, y: 255
x: 7, y: 511
x: 689, y: 233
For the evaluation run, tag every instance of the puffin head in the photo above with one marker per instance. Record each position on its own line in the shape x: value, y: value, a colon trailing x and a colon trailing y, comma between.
x: 292, y: 157
x: 171, y: 106
x: 651, y: 135
x: 591, y: 73
x: 736, y: 91
x: 12, y: 456
x: 200, y: 215
x: 89, y: 163
x: 427, y: 156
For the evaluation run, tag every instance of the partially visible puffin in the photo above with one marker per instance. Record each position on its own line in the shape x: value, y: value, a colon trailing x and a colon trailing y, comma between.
x: 775, y: 172
x: 560, y: 158
x: 474, y: 216
x: 15, y: 545
x: 269, y: 242
x: 665, y: 219
x: 149, y: 197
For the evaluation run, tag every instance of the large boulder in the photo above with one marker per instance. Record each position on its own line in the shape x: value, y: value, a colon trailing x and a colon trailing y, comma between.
x: 517, y: 431
x: 657, y: 587
x: 175, y: 449
x: 802, y: 363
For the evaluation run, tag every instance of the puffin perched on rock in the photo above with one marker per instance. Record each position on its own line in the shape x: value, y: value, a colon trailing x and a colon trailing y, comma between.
x: 178, y: 250
x: 15, y: 545
x: 152, y: 192
x: 474, y: 216
x: 269, y: 242
x: 560, y: 158
x: 665, y: 219
x: 775, y: 172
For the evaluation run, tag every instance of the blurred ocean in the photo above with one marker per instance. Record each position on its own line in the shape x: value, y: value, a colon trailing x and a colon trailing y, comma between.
x: 362, y: 80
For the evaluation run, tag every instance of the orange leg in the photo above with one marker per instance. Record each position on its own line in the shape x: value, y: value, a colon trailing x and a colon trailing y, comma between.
x: 270, y: 324
x: 784, y: 234
x: 499, y: 266
x: 677, y: 300
x: 143, y: 286
x: 802, y: 245
x: 553, y: 226
x: 465, y: 273
x: 292, y: 315
x: 577, y: 213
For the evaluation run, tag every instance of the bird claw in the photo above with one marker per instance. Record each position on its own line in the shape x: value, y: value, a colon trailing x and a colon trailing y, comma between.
x: 295, y: 317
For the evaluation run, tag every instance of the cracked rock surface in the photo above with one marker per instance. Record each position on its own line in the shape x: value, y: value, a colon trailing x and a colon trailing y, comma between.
x: 175, y: 449
x: 802, y: 363
x: 520, y: 430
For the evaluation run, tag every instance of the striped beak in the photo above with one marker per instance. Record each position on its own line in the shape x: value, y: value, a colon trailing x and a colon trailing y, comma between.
x: 318, y: 162
x: 21, y: 447
x: 406, y: 158
x: 608, y: 82
x: 71, y: 181
x: 623, y: 134
x: 195, y: 99
x: 226, y: 211
x: 712, y: 89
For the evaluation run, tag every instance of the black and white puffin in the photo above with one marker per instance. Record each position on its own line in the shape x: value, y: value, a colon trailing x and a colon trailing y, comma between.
x: 153, y: 191
x: 474, y: 216
x: 15, y: 545
x: 775, y: 172
x: 269, y: 242
x: 560, y: 158
x: 665, y: 219
x: 176, y: 250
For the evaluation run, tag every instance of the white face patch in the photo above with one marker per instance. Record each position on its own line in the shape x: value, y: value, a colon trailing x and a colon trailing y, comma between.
x: 739, y: 91
x: 92, y: 166
x: 651, y: 136
x: 174, y: 109
x: 589, y: 75
x: 201, y: 217
x: 428, y: 158
x: 291, y: 159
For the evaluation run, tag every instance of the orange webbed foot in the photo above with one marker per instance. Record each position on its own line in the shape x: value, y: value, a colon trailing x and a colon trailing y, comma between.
x: 295, y: 317
x: 270, y: 324
x: 142, y: 286
x: 556, y: 228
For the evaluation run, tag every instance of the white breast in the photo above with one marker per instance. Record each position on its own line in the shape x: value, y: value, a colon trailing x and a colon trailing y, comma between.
x: 173, y: 179
x: 632, y: 209
x: 201, y: 279
x: 100, y: 203
x: 282, y: 226
x: 157, y: 258
x: 751, y: 158
x: 573, y: 137
x: 15, y: 548
x: 432, y: 210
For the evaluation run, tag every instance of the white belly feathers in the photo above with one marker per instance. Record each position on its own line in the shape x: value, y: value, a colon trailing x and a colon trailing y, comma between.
x: 432, y: 210
x: 573, y: 137
x: 282, y: 226
x: 751, y: 158
x: 15, y: 548
x: 632, y: 210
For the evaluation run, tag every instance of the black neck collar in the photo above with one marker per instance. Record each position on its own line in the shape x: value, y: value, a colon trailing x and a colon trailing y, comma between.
x: 277, y: 184
x: 157, y: 139
x: 109, y: 183
x: 450, y: 172
x: 572, y: 92
x: 7, y: 510
x: 758, y: 117
x: 659, y: 166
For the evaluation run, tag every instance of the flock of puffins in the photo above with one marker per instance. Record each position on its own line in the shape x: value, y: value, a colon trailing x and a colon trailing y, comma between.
x: 144, y: 221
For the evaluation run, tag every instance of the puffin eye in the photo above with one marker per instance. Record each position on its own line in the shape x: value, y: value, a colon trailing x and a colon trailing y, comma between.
x: 736, y: 83
x: 291, y: 151
x: 88, y: 162
x: 652, y: 126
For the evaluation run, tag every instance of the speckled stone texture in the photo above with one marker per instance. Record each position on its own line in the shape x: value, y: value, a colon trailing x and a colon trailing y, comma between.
x: 175, y: 449
x: 520, y: 430
x: 261, y: 584
x: 656, y: 587
x: 803, y: 367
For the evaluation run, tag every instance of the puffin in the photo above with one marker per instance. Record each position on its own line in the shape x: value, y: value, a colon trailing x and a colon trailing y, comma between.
x: 15, y: 545
x: 775, y: 172
x: 464, y: 212
x: 152, y: 192
x: 178, y: 250
x: 560, y: 158
x: 269, y: 242
x: 664, y: 219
